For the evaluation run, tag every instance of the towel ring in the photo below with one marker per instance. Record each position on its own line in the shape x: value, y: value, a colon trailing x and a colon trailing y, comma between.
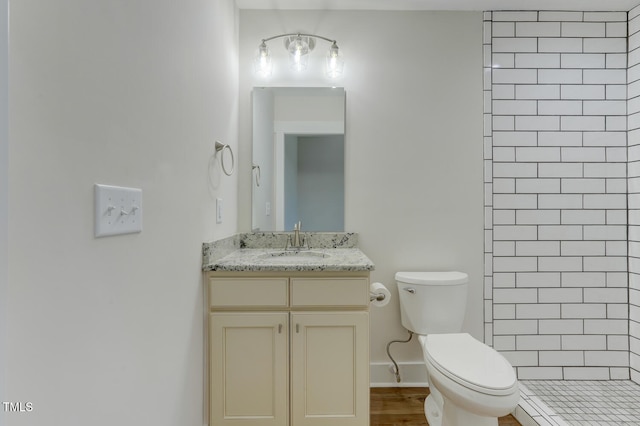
x: 221, y: 147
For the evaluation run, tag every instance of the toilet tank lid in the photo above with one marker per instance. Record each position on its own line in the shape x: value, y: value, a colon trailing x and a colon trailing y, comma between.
x: 432, y: 278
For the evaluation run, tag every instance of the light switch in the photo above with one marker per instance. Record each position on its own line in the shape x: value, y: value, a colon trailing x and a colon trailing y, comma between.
x: 218, y: 210
x: 118, y: 210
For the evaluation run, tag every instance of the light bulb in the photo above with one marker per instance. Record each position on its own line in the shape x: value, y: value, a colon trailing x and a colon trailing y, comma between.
x: 299, y: 51
x: 335, y: 62
x: 262, y: 61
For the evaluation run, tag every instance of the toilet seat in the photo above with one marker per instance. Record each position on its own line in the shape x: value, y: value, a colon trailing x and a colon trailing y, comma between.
x: 470, y: 363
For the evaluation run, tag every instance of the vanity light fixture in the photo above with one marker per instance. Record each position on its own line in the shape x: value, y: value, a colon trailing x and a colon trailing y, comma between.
x: 299, y: 47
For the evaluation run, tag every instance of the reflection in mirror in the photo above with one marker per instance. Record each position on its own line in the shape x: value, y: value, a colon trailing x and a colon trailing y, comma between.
x: 298, y: 158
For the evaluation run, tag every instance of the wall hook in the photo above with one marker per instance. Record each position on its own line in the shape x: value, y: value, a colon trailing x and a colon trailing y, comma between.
x: 257, y: 174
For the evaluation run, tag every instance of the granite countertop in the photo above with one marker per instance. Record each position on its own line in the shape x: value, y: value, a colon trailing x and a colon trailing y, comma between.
x: 264, y: 252
x: 252, y: 260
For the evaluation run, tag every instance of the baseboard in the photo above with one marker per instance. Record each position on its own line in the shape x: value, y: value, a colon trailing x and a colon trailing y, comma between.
x: 412, y: 374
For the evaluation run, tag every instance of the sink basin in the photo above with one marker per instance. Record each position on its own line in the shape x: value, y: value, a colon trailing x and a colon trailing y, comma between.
x: 288, y: 256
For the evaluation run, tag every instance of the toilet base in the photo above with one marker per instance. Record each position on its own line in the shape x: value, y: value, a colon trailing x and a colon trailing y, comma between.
x: 448, y: 414
x: 453, y: 415
x: 432, y: 412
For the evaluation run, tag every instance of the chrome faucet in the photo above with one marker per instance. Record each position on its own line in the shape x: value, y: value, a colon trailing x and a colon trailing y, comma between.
x: 296, y: 241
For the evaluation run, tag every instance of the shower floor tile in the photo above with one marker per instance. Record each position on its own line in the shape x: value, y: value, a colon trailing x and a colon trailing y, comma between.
x: 581, y: 402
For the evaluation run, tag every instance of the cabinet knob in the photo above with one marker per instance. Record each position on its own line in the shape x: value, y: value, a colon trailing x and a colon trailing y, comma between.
x: 297, y: 328
x: 279, y: 328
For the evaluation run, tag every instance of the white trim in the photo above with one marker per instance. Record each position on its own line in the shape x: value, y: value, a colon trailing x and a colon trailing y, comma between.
x: 412, y: 374
x: 278, y: 179
x: 443, y: 5
x: 310, y: 127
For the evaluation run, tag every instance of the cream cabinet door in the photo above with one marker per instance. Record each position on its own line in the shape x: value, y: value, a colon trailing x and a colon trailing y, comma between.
x: 249, y: 369
x: 330, y: 368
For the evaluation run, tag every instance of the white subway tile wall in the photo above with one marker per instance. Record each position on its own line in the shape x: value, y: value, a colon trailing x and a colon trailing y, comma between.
x: 556, y: 117
x: 633, y: 153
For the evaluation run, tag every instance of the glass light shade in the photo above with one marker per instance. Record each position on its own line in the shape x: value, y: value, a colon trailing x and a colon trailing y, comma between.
x: 335, y: 62
x: 298, y: 53
x: 262, y: 64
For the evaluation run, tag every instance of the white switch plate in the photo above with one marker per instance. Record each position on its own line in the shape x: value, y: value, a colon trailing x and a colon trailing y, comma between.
x: 218, y: 210
x: 118, y: 210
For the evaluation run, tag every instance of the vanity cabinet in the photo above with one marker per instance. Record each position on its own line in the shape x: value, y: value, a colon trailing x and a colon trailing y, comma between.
x: 288, y: 349
x: 249, y: 365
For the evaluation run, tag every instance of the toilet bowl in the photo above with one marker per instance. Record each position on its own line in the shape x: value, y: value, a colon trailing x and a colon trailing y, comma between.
x: 470, y: 383
x: 475, y: 383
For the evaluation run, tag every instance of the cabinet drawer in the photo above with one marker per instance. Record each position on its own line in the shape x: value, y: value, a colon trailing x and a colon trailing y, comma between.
x: 252, y: 292
x: 329, y: 292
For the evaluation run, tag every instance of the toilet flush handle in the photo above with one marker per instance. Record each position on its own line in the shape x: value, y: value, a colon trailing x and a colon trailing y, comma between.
x: 410, y: 290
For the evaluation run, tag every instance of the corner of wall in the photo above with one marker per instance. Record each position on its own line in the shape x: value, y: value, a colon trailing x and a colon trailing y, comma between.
x: 4, y: 176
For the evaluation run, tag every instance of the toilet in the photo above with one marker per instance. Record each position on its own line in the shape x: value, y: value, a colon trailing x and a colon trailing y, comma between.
x: 470, y: 383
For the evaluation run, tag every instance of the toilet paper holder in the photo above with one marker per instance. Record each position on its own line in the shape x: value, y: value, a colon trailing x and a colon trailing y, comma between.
x: 378, y: 297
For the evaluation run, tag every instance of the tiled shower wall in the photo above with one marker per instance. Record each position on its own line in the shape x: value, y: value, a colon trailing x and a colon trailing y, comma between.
x: 556, y: 285
x: 633, y: 138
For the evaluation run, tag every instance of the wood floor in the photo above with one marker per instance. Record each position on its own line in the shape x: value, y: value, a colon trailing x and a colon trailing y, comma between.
x: 405, y: 407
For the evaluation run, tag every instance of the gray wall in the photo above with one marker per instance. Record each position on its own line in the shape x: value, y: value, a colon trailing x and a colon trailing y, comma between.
x: 4, y: 185
x: 413, y: 164
x: 110, y: 331
x: 321, y: 182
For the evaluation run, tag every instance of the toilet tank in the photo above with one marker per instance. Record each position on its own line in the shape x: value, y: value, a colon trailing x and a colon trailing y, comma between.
x: 432, y: 302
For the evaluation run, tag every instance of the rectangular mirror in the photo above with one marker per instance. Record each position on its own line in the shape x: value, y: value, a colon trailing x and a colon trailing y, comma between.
x: 298, y: 159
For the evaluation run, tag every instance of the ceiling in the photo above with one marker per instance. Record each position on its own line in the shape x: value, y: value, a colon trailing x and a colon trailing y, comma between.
x: 477, y: 5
